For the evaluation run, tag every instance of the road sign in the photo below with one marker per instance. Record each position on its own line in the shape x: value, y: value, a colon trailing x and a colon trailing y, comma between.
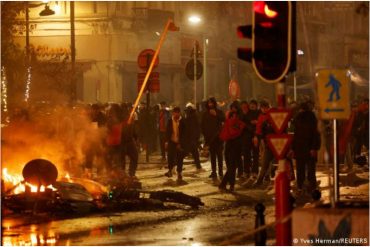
x: 279, y: 144
x: 333, y: 92
x: 279, y: 119
x: 189, y: 69
x: 153, y: 82
x: 234, y: 89
x: 145, y: 57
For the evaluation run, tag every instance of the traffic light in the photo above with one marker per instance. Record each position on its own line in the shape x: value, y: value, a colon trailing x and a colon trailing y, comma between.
x: 273, y: 40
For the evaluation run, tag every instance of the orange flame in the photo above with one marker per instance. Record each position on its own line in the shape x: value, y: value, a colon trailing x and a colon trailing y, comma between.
x: 18, y: 180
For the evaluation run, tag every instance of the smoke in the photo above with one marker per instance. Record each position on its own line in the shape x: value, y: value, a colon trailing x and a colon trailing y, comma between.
x: 61, y: 135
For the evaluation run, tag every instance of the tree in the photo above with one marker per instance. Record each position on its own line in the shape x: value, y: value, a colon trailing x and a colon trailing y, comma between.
x: 12, y: 55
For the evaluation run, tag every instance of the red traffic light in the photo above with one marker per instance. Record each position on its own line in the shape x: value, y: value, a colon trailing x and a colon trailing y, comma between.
x: 272, y: 39
x: 262, y: 8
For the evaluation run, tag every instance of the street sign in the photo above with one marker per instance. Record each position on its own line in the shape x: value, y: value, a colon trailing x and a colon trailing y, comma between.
x: 279, y: 119
x: 234, y: 89
x: 189, y: 69
x: 333, y: 91
x: 144, y: 59
x: 279, y: 144
x: 153, y: 82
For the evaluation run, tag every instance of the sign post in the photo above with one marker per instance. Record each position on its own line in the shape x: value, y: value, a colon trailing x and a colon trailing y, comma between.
x: 169, y: 26
x: 144, y: 59
x: 334, y: 101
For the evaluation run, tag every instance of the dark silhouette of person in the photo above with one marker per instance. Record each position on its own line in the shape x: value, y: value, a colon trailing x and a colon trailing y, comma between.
x: 335, y: 84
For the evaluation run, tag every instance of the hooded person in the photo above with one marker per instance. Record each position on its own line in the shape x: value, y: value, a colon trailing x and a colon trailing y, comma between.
x: 306, y: 143
x: 192, y: 133
x: 232, y: 134
x: 212, y: 121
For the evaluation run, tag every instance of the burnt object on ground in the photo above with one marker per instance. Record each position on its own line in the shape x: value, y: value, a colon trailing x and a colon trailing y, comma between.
x: 177, y: 197
x: 69, y: 198
x: 122, y: 195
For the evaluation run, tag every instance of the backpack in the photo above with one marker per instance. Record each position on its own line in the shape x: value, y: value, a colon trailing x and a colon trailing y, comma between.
x: 232, y: 128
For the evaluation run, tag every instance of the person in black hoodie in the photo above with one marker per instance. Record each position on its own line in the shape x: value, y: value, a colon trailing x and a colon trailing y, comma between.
x: 192, y: 133
x: 233, y: 146
x: 211, y: 125
x: 306, y: 143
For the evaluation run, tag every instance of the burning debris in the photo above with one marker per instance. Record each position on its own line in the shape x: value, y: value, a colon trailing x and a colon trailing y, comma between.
x: 38, y: 191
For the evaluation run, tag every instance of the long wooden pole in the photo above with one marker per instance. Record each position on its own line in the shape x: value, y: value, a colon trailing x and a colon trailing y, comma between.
x: 161, y: 40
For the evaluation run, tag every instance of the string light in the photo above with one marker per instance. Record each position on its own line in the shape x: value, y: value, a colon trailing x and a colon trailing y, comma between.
x: 4, y: 90
x: 28, y: 85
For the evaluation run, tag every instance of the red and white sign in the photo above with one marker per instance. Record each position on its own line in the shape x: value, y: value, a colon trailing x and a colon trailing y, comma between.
x: 234, y: 89
x: 145, y: 58
x: 279, y: 144
x: 279, y: 119
x: 153, y: 82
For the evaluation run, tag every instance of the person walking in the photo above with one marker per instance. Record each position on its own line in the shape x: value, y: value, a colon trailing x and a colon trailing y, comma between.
x: 192, y: 133
x: 212, y: 120
x: 163, y: 117
x: 306, y: 143
x: 232, y: 134
x: 175, y: 142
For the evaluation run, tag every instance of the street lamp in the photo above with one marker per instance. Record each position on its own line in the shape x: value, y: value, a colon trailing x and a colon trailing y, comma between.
x: 45, y: 12
x: 195, y: 20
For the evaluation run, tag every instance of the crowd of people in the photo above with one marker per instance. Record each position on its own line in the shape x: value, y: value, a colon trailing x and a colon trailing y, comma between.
x: 233, y: 138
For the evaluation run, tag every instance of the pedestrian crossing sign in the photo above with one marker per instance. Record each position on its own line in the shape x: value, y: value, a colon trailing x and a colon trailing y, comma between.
x: 333, y: 93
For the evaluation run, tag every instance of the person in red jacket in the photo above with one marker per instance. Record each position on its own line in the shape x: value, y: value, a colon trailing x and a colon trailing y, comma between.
x: 232, y: 135
x: 113, y: 139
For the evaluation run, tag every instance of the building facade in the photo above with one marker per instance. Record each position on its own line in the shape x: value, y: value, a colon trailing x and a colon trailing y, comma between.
x: 110, y: 35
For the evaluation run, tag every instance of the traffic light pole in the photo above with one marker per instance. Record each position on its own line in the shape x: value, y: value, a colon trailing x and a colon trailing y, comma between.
x: 282, y: 186
x: 280, y: 92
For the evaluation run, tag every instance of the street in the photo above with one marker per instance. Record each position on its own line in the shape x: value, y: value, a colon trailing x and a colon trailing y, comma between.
x: 223, y: 219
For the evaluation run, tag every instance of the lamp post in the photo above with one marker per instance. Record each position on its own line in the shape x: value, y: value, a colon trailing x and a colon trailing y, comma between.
x: 196, y: 20
x: 45, y: 12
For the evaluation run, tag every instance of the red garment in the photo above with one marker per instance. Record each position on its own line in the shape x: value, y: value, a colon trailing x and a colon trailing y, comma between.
x: 232, y: 128
x: 345, y: 133
x: 114, y: 135
x: 261, y: 119
x: 162, y: 122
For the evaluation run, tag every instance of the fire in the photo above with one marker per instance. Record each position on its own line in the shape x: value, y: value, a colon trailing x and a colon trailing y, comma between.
x: 17, y: 180
x: 68, y: 177
x: 14, y: 179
